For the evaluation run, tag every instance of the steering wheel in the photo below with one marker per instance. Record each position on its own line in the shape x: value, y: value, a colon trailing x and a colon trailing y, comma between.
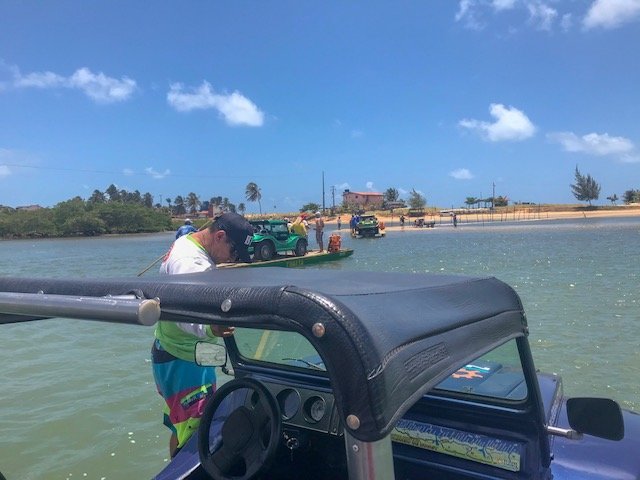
x: 250, y: 433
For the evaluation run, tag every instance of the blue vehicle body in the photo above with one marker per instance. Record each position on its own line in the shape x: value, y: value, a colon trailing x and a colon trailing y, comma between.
x: 355, y: 375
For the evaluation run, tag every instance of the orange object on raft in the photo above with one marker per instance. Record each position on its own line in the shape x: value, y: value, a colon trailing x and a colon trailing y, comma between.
x: 335, y: 241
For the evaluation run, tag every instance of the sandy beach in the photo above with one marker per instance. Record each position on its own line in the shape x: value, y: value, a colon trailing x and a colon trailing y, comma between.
x: 392, y: 222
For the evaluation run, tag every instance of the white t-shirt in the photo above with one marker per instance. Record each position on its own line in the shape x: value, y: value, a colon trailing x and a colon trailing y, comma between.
x: 186, y: 255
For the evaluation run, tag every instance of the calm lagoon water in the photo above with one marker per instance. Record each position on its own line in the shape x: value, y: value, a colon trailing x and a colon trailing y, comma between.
x: 78, y: 400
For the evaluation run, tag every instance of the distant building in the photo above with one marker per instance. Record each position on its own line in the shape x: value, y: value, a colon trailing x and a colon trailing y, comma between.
x: 29, y: 208
x: 399, y: 204
x: 362, y: 200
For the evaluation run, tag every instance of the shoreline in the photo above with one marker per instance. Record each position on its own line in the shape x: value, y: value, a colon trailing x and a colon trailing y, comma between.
x: 392, y: 222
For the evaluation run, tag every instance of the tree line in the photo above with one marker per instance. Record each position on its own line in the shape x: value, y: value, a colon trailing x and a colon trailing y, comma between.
x: 114, y: 211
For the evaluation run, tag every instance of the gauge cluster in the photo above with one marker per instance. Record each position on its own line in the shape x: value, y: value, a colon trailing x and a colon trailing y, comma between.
x: 302, y: 407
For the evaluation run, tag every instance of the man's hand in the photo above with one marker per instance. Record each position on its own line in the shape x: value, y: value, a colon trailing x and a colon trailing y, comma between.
x: 220, y: 331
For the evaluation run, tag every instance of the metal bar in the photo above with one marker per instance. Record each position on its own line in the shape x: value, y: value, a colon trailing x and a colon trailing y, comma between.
x: 34, y: 306
x: 369, y: 460
x: 564, y: 432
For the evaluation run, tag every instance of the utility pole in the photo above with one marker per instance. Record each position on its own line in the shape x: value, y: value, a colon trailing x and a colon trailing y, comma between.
x: 323, y: 208
x: 333, y: 199
x: 493, y: 196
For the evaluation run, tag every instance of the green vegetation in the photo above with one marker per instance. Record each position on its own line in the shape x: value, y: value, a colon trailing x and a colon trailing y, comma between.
x: 585, y: 189
x: 310, y: 207
x: 100, y: 214
x: 253, y: 194
x: 391, y: 195
x: 631, y: 196
x: 416, y: 200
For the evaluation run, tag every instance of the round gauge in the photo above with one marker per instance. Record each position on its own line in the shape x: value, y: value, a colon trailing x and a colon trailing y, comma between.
x: 315, y: 409
x: 289, y: 401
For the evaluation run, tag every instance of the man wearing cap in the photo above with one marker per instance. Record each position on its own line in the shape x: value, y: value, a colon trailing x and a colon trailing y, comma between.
x: 185, y: 229
x: 184, y: 385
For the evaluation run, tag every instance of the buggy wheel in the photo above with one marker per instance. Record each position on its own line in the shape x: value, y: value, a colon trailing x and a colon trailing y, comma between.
x: 265, y: 250
x: 301, y: 248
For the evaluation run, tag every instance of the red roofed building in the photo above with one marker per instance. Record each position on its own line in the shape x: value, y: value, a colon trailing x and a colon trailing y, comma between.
x: 363, y: 200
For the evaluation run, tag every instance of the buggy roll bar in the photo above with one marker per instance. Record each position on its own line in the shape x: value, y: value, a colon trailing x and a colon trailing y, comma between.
x: 25, y: 307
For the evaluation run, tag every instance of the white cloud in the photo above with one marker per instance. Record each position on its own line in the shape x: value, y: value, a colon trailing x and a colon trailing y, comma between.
x: 594, y: 144
x: 356, y: 133
x: 467, y: 13
x: 611, y: 13
x: 369, y: 186
x: 127, y: 171
x: 566, y: 22
x: 503, y: 4
x: 630, y: 158
x: 343, y: 186
x: 39, y: 80
x: 461, y: 174
x: 235, y: 108
x: 14, y: 158
x: 541, y: 15
x: 474, y: 14
x: 157, y: 175
x: 511, y: 124
x: 101, y: 88
x: 96, y: 86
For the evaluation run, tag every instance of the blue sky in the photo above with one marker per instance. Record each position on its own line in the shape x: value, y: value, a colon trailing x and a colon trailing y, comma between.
x: 447, y: 97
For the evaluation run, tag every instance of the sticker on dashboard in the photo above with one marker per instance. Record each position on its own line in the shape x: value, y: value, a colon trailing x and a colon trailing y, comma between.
x: 470, y: 446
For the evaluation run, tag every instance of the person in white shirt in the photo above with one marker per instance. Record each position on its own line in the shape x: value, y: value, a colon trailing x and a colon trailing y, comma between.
x: 184, y: 385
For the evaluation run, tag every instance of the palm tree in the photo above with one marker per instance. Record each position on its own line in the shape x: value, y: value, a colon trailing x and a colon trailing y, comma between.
x: 193, y: 202
x: 179, y: 205
x: 471, y: 201
x: 253, y: 194
x: 242, y: 208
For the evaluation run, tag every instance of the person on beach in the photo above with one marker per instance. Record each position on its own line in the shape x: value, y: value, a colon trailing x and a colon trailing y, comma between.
x: 454, y: 219
x: 339, y: 222
x: 319, y: 231
x: 402, y: 221
x: 185, y: 229
x: 184, y: 385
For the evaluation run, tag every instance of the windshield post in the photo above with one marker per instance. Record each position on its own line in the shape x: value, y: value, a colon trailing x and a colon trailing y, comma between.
x: 369, y: 460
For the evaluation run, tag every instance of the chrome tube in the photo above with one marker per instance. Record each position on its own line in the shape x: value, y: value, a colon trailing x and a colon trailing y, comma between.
x: 18, y: 307
x: 369, y: 460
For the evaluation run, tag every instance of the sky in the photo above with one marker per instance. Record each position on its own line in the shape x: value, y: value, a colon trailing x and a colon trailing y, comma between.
x: 454, y: 99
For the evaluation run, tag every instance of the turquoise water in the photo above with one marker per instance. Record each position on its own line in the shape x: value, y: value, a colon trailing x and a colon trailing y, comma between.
x: 78, y: 399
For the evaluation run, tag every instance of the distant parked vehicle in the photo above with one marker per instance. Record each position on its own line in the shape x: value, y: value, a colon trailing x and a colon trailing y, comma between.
x: 368, y: 226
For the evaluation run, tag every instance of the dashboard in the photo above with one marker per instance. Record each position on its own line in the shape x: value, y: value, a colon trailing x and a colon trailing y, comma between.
x: 302, y: 407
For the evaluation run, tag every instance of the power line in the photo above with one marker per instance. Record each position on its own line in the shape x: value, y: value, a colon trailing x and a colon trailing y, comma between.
x: 132, y: 174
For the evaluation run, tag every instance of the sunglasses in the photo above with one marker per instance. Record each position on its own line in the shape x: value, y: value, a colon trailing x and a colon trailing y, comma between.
x: 233, y: 249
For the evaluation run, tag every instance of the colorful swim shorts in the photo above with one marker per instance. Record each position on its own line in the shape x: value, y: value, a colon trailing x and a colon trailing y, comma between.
x: 185, y: 387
